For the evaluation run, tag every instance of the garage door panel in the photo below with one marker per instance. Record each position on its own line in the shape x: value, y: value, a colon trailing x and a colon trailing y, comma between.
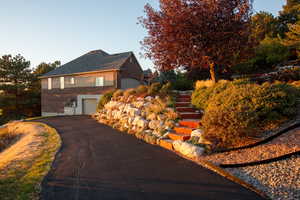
x: 89, y: 106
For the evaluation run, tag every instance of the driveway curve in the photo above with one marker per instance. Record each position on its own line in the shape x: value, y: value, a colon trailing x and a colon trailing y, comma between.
x: 98, y: 162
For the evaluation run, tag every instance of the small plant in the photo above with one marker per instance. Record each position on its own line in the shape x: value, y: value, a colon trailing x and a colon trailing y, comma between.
x: 204, y: 84
x: 166, y: 89
x: 118, y: 94
x: 154, y: 89
x: 105, y: 99
x: 129, y: 92
x: 142, y: 89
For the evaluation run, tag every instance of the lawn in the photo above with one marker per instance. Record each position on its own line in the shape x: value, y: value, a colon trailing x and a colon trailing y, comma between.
x: 22, y: 178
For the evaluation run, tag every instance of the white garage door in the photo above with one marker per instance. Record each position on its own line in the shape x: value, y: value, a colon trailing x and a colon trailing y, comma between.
x: 89, y: 106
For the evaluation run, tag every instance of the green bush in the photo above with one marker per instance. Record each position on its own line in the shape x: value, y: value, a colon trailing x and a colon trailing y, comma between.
x: 154, y: 88
x: 105, y: 99
x: 201, y: 95
x: 243, y: 110
x: 182, y: 82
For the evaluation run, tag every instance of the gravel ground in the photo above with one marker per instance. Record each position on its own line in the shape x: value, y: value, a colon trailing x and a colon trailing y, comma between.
x: 279, y: 180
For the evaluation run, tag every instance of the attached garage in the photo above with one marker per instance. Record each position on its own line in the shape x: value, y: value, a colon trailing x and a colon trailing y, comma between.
x: 89, y: 106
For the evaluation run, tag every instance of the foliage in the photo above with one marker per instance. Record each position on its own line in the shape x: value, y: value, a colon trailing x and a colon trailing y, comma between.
x: 129, y: 92
x: 292, y: 39
x: 105, y: 99
x: 243, y: 110
x: 118, y: 93
x: 142, y: 89
x: 263, y: 25
x: 44, y: 68
x: 154, y: 89
x: 182, y: 82
x: 289, y: 15
x: 196, y: 33
x: 21, y: 96
x: 205, y: 90
x: 166, y: 89
x: 204, y: 84
x: 268, y: 54
x: 22, y: 180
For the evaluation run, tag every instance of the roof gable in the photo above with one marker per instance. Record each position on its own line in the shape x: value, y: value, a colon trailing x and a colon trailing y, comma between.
x: 97, y: 60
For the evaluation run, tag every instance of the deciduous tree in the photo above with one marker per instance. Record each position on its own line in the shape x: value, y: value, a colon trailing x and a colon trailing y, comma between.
x: 196, y: 33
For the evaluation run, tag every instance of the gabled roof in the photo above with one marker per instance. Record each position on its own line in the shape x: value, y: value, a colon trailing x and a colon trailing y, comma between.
x: 97, y: 60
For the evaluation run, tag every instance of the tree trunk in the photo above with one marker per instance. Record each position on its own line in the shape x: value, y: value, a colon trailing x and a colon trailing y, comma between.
x: 213, y: 74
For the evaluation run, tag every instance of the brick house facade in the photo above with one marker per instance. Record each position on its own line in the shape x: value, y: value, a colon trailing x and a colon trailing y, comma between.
x: 76, y: 87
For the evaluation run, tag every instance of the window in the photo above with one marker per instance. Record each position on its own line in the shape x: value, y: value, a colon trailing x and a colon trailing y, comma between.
x: 62, y: 82
x: 72, y: 81
x: 49, y: 83
x: 99, y: 81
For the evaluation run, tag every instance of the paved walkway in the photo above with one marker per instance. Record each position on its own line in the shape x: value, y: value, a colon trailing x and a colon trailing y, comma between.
x: 97, y: 162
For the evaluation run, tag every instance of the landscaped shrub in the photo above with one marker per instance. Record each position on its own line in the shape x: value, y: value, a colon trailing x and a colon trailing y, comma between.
x: 105, y: 99
x: 166, y: 89
x: 118, y: 93
x: 142, y: 89
x: 154, y: 88
x: 182, y: 82
x: 243, y: 110
x: 129, y: 92
x: 204, y: 90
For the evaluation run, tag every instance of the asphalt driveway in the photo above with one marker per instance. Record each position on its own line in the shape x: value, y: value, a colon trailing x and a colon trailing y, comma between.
x: 98, y: 162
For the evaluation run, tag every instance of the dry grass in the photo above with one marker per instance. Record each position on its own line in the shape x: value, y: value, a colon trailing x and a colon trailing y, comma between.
x: 24, y: 164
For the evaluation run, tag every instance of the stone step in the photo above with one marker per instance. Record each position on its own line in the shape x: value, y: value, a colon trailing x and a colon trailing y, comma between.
x: 181, y: 99
x: 190, y: 115
x: 183, y: 130
x: 184, y: 96
x: 191, y: 123
x: 182, y: 137
x: 166, y: 143
x: 183, y: 104
x: 186, y: 109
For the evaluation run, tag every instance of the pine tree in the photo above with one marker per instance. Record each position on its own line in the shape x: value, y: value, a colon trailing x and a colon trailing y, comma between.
x: 15, y: 77
x: 292, y: 38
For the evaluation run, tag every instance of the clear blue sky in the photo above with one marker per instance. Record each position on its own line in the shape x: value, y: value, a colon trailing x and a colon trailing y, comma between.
x: 63, y: 30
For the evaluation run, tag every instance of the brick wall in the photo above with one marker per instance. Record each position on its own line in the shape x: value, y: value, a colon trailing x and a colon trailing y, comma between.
x: 53, y: 101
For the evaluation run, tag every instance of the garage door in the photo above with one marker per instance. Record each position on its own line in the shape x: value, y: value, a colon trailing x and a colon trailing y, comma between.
x: 89, y: 106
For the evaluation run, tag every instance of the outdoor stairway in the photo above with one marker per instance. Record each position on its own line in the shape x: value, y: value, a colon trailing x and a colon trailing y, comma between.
x: 190, y: 118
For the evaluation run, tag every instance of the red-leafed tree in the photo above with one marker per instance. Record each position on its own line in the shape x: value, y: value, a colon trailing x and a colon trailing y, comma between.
x: 196, y: 33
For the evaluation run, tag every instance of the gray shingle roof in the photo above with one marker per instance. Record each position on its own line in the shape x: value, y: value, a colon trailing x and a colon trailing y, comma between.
x: 93, y: 61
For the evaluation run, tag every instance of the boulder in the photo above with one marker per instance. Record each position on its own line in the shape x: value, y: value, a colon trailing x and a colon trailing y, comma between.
x: 151, y: 116
x: 155, y: 124
x: 187, y: 149
x: 199, y: 134
x: 149, y: 98
x: 161, y: 117
x: 143, y: 124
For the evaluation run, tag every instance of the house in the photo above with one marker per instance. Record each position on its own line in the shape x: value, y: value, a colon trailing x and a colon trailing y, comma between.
x: 76, y: 87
